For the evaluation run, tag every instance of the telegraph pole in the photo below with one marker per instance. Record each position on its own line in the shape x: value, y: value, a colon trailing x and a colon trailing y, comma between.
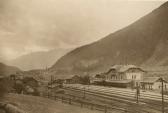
x: 162, y: 96
x: 84, y: 93
x: 137, y: 93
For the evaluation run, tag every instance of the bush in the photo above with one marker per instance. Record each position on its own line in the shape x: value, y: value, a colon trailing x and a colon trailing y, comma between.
x: 36, y: 92
x: 19, y: 88
x: 3, y: 89
x: 5, y: 86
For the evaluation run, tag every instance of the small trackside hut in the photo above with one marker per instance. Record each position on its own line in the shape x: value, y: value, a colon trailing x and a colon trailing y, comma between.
x: 153, y: 83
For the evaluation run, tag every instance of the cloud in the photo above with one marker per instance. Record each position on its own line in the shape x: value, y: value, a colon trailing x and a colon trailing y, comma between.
x: 35, y: 25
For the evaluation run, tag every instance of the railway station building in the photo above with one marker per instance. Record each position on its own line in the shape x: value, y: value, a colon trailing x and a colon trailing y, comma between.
x: 124, y: 76
x: 130, y: 75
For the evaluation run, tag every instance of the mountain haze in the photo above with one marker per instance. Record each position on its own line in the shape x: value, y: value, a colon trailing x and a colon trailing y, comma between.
x: 7, y: 70
x: 143, y: 43
x: 38, y: 60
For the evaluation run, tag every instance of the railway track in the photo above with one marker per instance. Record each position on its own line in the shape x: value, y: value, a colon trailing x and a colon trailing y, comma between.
x: 129, y: 93
x: 145, y: 95
x: 152, y: 101
x: 119, y: 101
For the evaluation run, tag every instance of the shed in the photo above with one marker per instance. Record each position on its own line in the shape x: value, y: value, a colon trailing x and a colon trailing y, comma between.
x: 72, y: 79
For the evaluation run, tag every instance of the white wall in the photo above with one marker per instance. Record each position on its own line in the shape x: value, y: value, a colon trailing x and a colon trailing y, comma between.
x: 135, y: 75
x: 157, y: 84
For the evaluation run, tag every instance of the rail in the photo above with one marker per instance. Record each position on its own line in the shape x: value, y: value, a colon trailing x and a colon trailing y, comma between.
x: 86, y: 104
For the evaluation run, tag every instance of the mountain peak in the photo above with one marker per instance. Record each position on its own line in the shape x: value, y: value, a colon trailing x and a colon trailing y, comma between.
x: 141, y: 43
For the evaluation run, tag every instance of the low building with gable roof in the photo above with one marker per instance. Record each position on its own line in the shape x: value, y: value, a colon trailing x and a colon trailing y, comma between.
x: 153, y: 83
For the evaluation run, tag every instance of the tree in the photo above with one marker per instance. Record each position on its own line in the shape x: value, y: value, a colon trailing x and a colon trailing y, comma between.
x: 19, y: 88
x: 85, y: 79
x: 5, y: 86
x: 3, y: 89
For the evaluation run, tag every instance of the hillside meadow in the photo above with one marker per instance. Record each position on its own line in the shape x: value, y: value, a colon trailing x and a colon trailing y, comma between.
x: 33, y: 104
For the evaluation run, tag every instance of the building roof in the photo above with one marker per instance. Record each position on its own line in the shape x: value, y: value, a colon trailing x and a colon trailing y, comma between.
x: 152, y: 79
x: 70, y: 76
x: 123, y: 68
x: 53, y: 85
x: 1, y: 77
x: 119, y: 81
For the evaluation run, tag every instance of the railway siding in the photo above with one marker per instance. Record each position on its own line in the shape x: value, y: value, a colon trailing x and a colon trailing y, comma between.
x: 148, y: 100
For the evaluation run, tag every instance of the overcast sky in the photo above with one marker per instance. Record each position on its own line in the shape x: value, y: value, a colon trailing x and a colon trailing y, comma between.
x: 39, y: 25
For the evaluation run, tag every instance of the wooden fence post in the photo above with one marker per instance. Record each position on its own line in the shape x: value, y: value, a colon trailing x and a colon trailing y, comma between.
x: 48, y: 95
x: 55, y: 97
x: 69, y: 100
x: 81, y: 104
x: 91, y: 106
x: 105, y: 110
x: 62, y: 99
x: 125, y: 111
x: 73, y: 97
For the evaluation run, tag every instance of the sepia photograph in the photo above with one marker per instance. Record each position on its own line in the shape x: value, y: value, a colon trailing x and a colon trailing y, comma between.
x: 83, y: 56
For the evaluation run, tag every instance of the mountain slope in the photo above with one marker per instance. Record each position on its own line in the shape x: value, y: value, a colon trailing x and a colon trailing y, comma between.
x: 38, y: 60
x: 7, y: 70
x: 141, y: 43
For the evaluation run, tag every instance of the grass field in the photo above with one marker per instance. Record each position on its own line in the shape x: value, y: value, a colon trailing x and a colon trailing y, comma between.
x: 32, y: 104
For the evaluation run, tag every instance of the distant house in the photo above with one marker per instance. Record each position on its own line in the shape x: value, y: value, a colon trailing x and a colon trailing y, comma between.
x: 124, y: 75
x: 2, y: 77
x: 56, y: 84
x: 30, y: 81
x: 57, y: 81
x: 16, y: 77
x: 72, y: 79
x: 13, y: 77
x: 153, y: 83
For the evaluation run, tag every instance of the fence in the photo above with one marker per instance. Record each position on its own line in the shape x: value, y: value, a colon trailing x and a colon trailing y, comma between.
x: 83, y: 103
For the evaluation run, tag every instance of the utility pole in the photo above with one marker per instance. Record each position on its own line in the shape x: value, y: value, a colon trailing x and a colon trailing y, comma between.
x: 137, y: 93
x: 84, y: 93
x: 51, y: 79
x: 162, y: 96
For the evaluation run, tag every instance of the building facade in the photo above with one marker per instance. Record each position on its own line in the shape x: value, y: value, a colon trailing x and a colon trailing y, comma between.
x: 125, y: 72
x: 124, y: 75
